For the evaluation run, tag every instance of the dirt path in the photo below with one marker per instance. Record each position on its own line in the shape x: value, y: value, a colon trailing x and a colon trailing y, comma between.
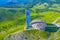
x: 54, y: 22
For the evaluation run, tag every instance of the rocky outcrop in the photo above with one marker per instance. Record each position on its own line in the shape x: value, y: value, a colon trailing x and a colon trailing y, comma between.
x: 28, y: 35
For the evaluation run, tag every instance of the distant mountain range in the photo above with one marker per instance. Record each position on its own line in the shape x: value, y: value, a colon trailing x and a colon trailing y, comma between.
x: 25, y: 3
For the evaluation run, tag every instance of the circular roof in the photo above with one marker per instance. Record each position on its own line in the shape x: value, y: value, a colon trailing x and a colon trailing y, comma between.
x: 37, y: 21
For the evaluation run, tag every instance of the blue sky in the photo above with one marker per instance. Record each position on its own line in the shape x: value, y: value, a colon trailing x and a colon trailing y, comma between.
x: 5, y: 1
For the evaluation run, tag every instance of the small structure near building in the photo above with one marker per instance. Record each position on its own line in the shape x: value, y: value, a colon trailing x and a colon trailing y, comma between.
x: 51, y: 28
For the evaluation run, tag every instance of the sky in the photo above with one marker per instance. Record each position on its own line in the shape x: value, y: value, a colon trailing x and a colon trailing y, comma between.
x: 5, y: 1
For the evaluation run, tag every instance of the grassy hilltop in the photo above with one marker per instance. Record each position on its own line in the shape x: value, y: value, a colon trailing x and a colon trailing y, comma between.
x: 14, y: 19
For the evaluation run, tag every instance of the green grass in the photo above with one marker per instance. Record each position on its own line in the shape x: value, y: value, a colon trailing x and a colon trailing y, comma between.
x: 11, y: 26
x: 58, y: 21
x: 48, y: 16
x: 34, y: 34
x: 17, y: 22
x: 10, y: 31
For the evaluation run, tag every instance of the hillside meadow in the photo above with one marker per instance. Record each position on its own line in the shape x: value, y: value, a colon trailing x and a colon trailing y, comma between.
x: 13, y: 21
